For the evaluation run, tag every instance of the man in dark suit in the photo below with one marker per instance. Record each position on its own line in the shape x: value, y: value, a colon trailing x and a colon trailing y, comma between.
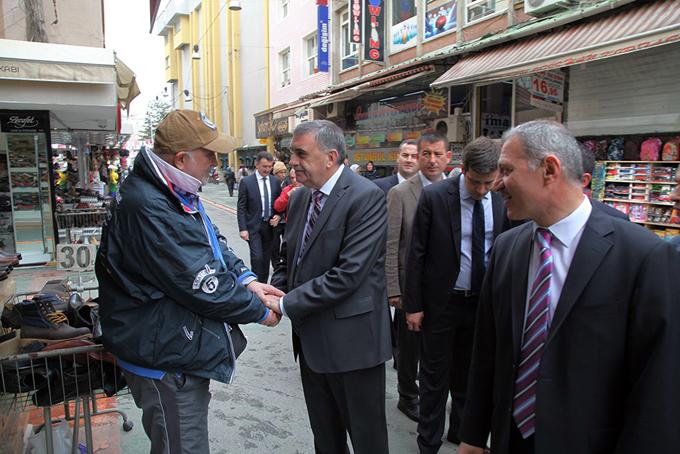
x: 407, y: 166
x: 577, y: 333
x: 333, y: 270
x: 402, y: 201
x: 256, y: 217
x: 454, y: 228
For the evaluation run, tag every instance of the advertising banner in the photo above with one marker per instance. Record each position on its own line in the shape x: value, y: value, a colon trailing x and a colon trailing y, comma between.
x: 374, y: 31
x: 404, y: 34
x: 355, y: 22
x: 323, y: 37
x: 440, y: 19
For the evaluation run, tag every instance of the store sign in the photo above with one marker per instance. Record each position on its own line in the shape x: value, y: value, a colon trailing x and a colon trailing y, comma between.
x: 548, y: 87
x: 263, y: 126
x: 356, y: 23
x: 494, y: 125
x: 76, y: 257
x: 18, y: 121
x: 440, y: 19
x: 323, y: 37
x: 374, y: 30
x: 404, y: 112
x: 280, y: 126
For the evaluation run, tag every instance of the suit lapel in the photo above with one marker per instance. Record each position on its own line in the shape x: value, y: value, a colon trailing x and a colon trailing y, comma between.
x: 454, y: 213
x: 590, y: 252
x: 498, y: 215
x: 521, y: 256
x: 297, y: 219
x: 416, y: 187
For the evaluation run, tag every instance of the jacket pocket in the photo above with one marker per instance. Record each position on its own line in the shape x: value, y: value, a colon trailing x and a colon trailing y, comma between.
x: 354, y: 307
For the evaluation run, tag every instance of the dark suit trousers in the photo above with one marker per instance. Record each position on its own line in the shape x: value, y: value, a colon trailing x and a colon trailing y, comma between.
x: 278, y: 233
x: 445, y: 355
x: 408, y: 343
x: 260, y: 242
x: 345, y: 402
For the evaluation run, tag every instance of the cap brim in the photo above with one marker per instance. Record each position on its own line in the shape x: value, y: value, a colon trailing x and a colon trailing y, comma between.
x: 223, y: 144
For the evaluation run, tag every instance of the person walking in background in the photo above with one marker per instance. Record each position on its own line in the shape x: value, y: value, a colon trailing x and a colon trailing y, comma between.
x: 255, y: 213
x: 172, y: 294
x: 281, y: 203
x: 370, y: 172
x: 280, y: 172
x: 576, y: 341
x: 454, y: 228
x: 230, y: 179
x: 407, y: 166
x: 333, y: 268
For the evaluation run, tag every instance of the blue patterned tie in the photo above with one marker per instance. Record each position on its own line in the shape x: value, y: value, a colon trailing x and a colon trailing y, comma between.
x: 533, y: 339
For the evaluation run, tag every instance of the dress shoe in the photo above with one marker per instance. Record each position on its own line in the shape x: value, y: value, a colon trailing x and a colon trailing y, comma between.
x: 410, y: 408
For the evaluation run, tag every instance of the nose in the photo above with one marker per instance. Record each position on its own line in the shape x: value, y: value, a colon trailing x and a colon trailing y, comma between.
x: 293, y: 161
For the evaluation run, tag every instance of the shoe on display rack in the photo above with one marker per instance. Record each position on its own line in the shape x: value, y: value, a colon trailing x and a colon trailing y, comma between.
x: 40, y: 321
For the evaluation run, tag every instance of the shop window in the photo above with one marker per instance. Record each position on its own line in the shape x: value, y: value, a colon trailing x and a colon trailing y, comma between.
x: 477, y: 10
x: 311, y: 66
x: 495, y: 104
x: 284, y: 67
x: 167, y: 62
x: 460, y: 97
x: 539, y: 97
x: 350, y: 51
x: 404, y: 25
x: 440, y: 17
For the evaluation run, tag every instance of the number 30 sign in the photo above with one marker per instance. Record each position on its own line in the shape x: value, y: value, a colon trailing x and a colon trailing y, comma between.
x: 76, y: 257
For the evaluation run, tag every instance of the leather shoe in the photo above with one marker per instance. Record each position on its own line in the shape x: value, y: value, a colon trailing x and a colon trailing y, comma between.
x: 410, y: 408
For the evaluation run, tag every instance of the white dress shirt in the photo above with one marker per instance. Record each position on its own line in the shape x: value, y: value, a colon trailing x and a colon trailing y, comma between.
x: 263, y: 184
x: 426, y: 182
x: 566, y: 236
x: 467, y: 206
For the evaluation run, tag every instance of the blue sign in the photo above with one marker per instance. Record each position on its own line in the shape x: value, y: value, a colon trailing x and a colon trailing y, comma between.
x: 323, y: 38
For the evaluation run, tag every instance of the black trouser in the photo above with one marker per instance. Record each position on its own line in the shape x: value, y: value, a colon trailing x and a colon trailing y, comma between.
x: 408, y: 343
x: 230, y: 188
x: 445, y: 355
x: 260, y: 242
x: 278, y: 232
x: 346, y: 402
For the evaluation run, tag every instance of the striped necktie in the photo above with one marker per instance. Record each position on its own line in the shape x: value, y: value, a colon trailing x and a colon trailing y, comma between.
x: 316, y: 209
x: 533, y: 339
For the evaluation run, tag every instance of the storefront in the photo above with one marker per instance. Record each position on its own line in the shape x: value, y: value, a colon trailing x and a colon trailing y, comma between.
x: 59, y: 126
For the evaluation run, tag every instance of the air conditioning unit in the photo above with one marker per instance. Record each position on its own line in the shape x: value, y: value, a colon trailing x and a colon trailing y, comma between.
x: 335, y: 110
x: 453, y: 127
x: 544, y: 7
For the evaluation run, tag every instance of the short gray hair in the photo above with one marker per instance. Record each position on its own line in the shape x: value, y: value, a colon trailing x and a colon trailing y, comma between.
x: 481, y: 155
x: 542, y: 138
x: 327, y: 135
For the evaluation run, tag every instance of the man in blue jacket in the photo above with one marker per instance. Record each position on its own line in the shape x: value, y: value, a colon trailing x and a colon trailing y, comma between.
x: 171, y: 291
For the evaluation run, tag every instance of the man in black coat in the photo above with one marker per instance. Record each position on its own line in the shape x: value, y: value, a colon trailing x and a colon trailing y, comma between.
x: 256, y: 216
x: 578, y: 327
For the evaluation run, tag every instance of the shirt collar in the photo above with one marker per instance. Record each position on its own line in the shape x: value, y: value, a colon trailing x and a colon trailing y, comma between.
x: 259, y: 177
x: 566, y: 230
x: 330, y: 184
x: 400, y: 178
x: 172, y: 176
x: 464, y: 194
x: 426, y: 181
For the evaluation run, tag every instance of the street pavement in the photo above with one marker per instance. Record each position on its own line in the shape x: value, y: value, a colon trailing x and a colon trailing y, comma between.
x: 263, y: 411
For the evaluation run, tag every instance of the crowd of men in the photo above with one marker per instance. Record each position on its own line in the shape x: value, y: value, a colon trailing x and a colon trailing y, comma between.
x: 551, y: 322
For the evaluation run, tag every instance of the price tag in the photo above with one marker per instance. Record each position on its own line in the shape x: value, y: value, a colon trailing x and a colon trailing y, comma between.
x: 76, y: 257
x: 548, y: 86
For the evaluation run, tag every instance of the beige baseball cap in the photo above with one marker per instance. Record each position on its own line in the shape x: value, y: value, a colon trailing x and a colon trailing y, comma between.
x: 184, y: 130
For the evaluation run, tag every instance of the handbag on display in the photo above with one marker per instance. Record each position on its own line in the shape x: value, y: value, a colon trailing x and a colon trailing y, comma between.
x: 671, y: 149
x: 650, y: 149
x: 615, y: 149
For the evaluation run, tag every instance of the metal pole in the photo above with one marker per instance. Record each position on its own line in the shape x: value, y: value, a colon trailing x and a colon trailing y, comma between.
x: 47, y: 427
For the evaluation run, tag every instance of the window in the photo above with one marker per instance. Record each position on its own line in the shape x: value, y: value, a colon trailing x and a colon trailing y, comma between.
x: 479, y: 9
x: 283, y: 8
x: 167, y: 62
x: 350, y: 52
x: 311, y: 56
x: 284, y: 67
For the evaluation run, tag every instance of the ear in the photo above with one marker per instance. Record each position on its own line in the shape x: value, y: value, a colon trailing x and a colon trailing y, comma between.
x: 552, y: 168
x: 586, y: 179
x: 180, y: 160
x: 332, y: 157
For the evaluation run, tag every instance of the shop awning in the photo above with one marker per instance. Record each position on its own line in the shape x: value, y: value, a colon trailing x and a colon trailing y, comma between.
x: 638, y: 28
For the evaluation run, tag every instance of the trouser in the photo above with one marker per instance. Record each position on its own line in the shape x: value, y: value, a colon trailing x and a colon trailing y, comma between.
x: 174, y: 411
x: 278, y: 233
x: 408, y: 343
x: 519, y: 445
x: 445, y: 355
x: 260, y: 242
x: 345, y: 402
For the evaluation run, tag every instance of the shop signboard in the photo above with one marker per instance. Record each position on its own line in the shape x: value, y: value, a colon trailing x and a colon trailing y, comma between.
x: 322, y: 38
x: 440, y: 19
x: 374, y: 30
x: 24, y: 121
x: 76, y: 257
x: 263, y: 126
x: 280, y: 127
x: 356, y: 21
x: 402, y: 112
x: 547, y: 87
x: 404, y: 34
x: 494, y: 125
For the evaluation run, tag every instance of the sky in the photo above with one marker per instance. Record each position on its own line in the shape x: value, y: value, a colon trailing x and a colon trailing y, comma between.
x: 126, y: 25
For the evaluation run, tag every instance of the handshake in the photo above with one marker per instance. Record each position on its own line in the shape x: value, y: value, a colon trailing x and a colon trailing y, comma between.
x: 270, y: 297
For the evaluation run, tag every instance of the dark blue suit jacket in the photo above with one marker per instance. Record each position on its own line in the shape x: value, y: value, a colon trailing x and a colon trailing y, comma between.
x: 249, y: 205
x: 386, y: 183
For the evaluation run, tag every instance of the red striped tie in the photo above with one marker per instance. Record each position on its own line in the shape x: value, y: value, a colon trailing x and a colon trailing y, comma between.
x: 316, y: 200
x: 533, y: 339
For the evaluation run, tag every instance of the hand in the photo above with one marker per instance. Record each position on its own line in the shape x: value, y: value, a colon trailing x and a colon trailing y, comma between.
x: 465, y: 448
x: 262, y: 290
x: 273, y: 303
x: 244, y: 235
x: 272, y: 319
x: 394, y: 301
x: 274, y: 221
x: 415, y: 320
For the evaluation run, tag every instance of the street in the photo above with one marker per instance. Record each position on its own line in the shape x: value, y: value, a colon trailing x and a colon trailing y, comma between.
x: 264, y: 409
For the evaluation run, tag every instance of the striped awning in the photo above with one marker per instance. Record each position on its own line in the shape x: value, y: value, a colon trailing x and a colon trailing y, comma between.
x: 641, y: 27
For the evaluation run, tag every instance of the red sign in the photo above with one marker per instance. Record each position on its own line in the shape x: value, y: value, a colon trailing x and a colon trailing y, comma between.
x: 355, y: 22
